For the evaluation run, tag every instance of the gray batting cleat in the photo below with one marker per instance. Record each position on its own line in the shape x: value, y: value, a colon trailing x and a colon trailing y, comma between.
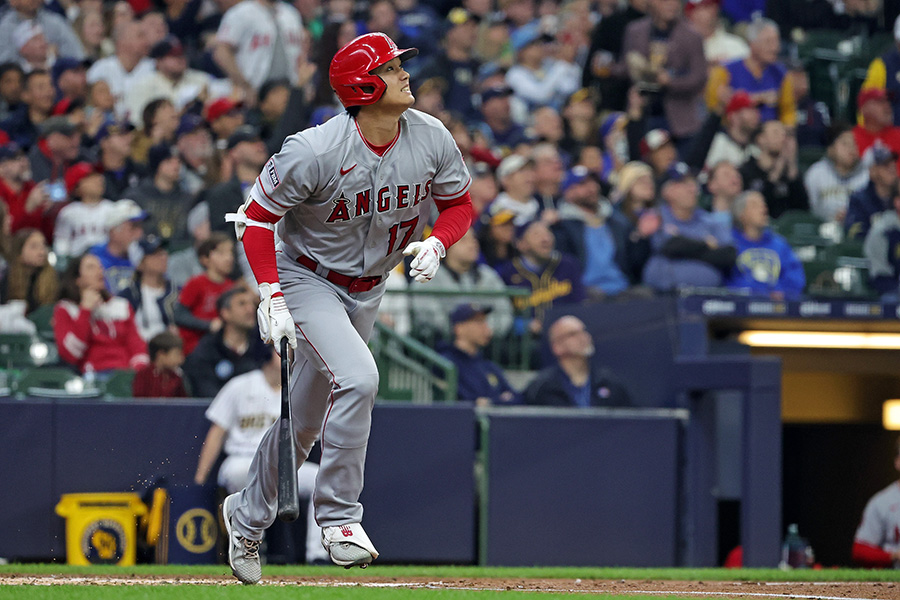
x: 243, y: 554
x: 348, y: 545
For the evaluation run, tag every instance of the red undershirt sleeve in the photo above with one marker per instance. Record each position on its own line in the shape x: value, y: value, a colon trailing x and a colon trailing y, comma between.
x: 259, y: 245
x: 454, y: 219
x: 867, y: 555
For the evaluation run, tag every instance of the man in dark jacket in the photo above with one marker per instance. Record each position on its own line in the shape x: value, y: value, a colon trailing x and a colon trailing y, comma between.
x: 160, y: 194
x: 875, y: 198
x: 575, y: 380
x: 480, y: 380
x: 233, y: 350
x: 663, y: 55
x: 604, y: 53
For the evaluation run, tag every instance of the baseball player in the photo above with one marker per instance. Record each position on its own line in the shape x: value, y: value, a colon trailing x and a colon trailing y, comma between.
x: 877, y: 541
x: 349, y: 198
x: 240, y: 414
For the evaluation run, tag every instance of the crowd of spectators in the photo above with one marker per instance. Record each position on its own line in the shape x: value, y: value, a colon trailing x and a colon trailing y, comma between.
x: 617, y: 149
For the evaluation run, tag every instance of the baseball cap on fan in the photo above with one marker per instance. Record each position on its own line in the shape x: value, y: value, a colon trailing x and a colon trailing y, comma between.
x: 77, y: 172
x: 123, y: 211
x: 690, y: 5
x: 512, y: 164
x: 145, y: 247
x: 220, y: 108
x: 881, y: 154
x: 739, y: 101
x: 870, y: 94
x: 679, y: 171
x: 654, y: 140
x: 466, y: 311
x: 495, y: 92
x: 574, y: 176
x: 10, y: 151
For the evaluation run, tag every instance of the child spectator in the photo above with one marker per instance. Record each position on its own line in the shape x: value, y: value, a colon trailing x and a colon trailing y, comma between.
x: 95, y: 331
x: 83, y: 223
x: 29, y: 276
x: 162, y: 377
x: 196, y: 312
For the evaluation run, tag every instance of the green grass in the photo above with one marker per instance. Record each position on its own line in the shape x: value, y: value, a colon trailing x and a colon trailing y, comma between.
x: 292, y: 592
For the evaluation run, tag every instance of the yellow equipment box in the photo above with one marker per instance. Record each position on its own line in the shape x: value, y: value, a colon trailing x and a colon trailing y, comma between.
x: 101, y: 529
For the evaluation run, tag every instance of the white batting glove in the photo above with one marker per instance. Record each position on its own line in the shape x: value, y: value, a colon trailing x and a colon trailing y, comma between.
x: 275, y: 321
x: 428, y: 255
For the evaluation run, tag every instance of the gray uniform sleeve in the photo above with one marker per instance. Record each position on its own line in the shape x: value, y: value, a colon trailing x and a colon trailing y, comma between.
x: 452, y: 178
x: 287, y: 178
x: 872, y: 528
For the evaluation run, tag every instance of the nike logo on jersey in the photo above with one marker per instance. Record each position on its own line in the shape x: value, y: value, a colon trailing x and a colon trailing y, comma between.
x: 345, y: 171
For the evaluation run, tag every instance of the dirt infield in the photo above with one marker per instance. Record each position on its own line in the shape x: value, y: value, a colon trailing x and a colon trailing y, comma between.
x: 718, y: 589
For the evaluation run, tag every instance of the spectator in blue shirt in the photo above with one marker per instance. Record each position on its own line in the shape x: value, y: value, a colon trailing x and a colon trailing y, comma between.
x: 480, y: 380
x: 585, y: 231
x: 766, y: 263
x: 691, y: 248
x: 575, y: 380
x: 125, y: 222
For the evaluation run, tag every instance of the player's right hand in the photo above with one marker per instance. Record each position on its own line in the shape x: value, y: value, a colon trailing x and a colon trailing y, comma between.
x: 275, y: 321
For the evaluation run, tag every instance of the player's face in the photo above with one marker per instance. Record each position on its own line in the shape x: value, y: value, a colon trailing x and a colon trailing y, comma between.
x: 398, y: 93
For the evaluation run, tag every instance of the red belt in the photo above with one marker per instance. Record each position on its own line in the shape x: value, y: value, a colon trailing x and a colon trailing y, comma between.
x: 353, y: 284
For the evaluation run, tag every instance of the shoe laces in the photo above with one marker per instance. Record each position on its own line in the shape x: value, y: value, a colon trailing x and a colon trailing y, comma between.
x: 251, y: 549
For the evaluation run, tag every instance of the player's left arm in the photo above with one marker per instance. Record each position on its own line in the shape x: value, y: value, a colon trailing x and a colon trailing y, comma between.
x: 450, y: 190
x: 278, y: 188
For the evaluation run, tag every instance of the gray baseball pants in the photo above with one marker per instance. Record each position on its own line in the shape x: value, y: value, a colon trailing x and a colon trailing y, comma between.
x: 333, y: 386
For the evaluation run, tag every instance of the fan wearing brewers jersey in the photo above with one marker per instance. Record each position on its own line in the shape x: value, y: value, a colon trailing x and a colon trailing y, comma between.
x: 347, y: 200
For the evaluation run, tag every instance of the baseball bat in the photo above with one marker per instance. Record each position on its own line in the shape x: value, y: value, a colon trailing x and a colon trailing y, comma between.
x: 288, y: 502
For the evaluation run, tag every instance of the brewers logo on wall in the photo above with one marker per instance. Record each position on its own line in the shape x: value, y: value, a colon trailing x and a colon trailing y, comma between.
x: 196, y: 530
x: 103, y: 542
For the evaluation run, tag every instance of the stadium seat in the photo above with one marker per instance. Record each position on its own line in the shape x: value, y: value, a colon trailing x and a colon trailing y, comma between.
x: 801, y: 228
x: 19, y: 350
x: 844, y: 277
x: 807, y: 155
x: 42, y: 317
x: 54, y: 382
x: 119, y: 384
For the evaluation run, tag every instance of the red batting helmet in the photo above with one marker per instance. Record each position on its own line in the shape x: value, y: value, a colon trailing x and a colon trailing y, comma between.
x: 351, y: 68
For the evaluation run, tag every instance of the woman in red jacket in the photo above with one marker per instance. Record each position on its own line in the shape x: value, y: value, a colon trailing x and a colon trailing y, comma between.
x: 95, y: 331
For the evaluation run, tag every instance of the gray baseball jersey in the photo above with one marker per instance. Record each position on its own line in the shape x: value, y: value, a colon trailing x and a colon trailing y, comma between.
x: 880, y: 525
x: 353, y: 212
x: 348, y: 208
